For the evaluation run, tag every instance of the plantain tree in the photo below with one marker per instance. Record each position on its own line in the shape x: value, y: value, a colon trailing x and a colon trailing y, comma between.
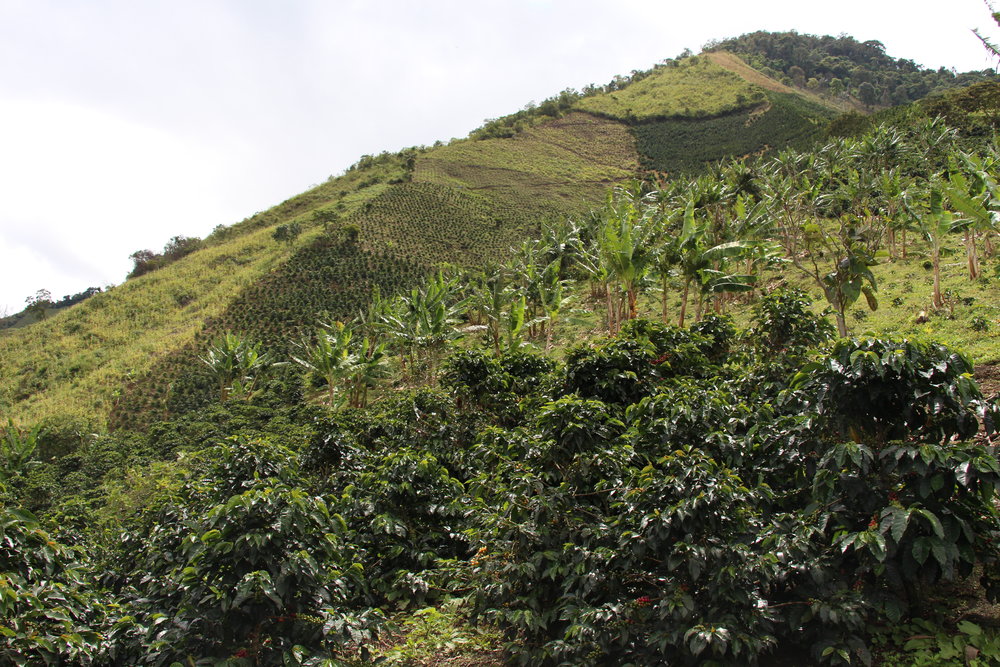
x: 936, y: 224
x: 329, y: 358
x: 626, y: 249
x: 237, y: 365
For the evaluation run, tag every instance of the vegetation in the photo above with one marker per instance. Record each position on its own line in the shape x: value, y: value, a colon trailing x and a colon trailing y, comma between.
x: 694, y: 87
x: 842, y: 66
x: 437, y: 408
x: 676, y: 146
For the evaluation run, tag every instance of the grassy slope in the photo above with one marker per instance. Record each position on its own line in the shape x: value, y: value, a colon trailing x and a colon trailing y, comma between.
x: 695, y: 87
x: 558, y: 166
x: 135, y: 349
x: 76, y: 363
x: 71, y: 363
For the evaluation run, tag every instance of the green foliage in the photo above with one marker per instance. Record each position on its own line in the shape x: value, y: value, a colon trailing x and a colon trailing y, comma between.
x: 433, y: 634
x: 693, y: 88
x: 874, y: 391
x: 51, y: 611
x: 841, y: 65
x: 289, y: 232
x: 176, y: 248
x: 622, y: 370
x: 16, y: 449
x: 785, y: 325
x: 678, y: 146
x: 410, y: 508
x: 242, y: 560
x: 236, y: 364
x: 501, y: 384
x: 921, y: 643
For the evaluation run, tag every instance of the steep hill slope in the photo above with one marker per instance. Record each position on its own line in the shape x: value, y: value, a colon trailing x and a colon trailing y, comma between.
x: 131, y: 355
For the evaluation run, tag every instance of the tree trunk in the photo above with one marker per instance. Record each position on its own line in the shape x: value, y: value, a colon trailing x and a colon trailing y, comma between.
x: 841, y: 324
x: 663, y: 299
x: 684, y: 302
x: 970, y: 250
x: 938, y: 300
x: 611, y: 312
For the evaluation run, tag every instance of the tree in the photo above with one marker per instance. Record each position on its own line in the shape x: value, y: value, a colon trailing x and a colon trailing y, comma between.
x: 144, y: 261
x: 867, y: 94
x: 37, y: 304
x: 287, y: 233
x: 180, y: 246
x: 625, y: 246
x: 936, y: 224
x: 329, y: 357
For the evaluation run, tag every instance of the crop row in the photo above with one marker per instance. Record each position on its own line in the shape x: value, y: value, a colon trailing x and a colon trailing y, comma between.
x: 328, y: 280
x: 681, y: 145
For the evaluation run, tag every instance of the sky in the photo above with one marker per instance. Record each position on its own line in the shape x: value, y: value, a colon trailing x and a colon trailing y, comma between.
x: 125, y: 123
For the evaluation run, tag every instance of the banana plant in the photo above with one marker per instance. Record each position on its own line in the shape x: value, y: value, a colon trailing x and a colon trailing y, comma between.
x: 626, y: 245
x: 976, y: 198
x: 422, y: 322
x: 936, y: 225
x: 237, y: 365
x: 329, y: 357
x: 369, y: 366
x: 491, y: 298
x: 16, y: 449
x: 550, y: 292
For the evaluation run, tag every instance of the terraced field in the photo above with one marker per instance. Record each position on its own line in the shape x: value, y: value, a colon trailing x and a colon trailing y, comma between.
x: 562, y: 164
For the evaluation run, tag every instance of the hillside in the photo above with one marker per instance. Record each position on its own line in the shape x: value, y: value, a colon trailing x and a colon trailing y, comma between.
x: 641, y: 375
x: 459, y: 203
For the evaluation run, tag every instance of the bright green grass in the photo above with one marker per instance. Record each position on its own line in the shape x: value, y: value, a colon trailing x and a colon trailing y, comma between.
x: 905, y: 288
x: 695, y: 88
x: 74, y: 362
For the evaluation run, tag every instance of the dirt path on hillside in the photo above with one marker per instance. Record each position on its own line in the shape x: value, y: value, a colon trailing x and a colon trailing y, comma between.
x: 735, y: 65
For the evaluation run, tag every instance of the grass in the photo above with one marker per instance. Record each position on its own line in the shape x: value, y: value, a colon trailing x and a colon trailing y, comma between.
x: 695, y: 87
x: 970, y: 323
x: 562, y: 163
x: 76, y: 364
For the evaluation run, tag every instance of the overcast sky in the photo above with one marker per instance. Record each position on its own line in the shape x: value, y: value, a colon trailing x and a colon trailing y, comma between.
x: 126, y: 122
